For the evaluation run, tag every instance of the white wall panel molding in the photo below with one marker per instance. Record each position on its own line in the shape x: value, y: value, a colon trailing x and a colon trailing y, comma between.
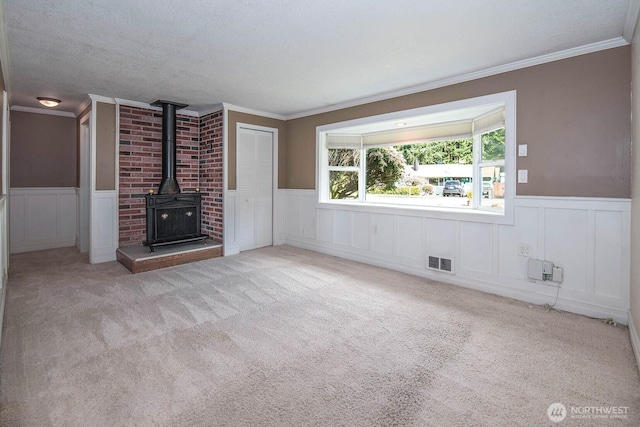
x: 588, y: 237
x: 104, y: 226
x: 230, y: 242
x: 42, y: 218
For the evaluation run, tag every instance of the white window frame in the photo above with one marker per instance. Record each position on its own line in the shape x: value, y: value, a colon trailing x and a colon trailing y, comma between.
x: 476, y: 214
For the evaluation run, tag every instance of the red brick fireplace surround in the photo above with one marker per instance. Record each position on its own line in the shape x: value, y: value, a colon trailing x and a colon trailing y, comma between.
x: 198, y: 164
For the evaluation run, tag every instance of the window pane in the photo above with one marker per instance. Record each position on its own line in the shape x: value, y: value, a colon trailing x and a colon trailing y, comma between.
x: 344, y: 157
x: 416, y: 174
x: 493, y: 145
x: 343, y: 185
x: 493, y: 180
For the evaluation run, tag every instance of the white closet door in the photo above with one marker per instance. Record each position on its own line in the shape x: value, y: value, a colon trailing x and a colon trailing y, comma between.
x: 264, y: 189
x: 254, y: 189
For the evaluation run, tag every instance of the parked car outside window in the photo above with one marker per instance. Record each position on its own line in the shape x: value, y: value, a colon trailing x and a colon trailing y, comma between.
x: 453, y: 188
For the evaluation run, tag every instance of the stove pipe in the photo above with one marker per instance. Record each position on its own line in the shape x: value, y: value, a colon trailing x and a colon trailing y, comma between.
x: 169, y: 183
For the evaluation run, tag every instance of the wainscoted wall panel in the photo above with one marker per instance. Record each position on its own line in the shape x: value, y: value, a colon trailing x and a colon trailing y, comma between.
x: 440, y: 239
x: 608, y: 252
x: 230, y: 243
x: 292, y: 223
x: 342, y: 234
x: 307, y: 222
x: 525, y: 230
x: 476, y: 246
x: 565, y: 242
x: 42, y: 218
x: 361, y: 226
x: 409, y: 239
x: 587, y: 237
x: 384, y: 236
x: 103, y: 226
x: 325, y: 221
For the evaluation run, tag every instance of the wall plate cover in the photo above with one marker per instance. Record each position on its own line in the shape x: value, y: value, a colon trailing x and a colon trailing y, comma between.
x: 522, y: 150
x: 523, y: 176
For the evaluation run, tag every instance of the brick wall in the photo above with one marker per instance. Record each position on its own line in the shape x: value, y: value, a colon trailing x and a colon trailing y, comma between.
x: 140, y: 159
x: 211, y: 174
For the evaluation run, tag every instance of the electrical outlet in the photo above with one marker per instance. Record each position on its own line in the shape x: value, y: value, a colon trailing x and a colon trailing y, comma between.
x: 524, y: 249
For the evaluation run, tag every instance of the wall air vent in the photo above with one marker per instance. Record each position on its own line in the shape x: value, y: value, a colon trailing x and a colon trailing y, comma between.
x: 434, y: 262
x: 440, y: 264
x: 445, y: 264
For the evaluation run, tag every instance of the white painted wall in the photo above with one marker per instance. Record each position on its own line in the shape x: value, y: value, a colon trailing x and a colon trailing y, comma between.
x: 42, y: 218
x: 588, y: 237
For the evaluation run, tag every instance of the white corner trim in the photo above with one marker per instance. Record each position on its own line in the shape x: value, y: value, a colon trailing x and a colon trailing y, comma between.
x: 42, y: 111
x: 231, y: 107
x: 542, y: 59
x: 631, y: 20
x: 100, y: 98
x: 635, y: 340
x: 83, y: 106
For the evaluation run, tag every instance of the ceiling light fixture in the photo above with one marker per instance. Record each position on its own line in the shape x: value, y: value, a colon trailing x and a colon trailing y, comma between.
x: 48, y: 102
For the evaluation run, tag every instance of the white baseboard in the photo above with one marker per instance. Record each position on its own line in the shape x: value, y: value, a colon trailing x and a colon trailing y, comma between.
x: 42, y: 244
x: 231, y: 250
x: 635, y: 339
x: 620, y: 316
x: 105, y: 257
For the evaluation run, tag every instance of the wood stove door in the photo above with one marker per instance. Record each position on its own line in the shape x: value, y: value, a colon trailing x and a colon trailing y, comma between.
x: 176, y: 222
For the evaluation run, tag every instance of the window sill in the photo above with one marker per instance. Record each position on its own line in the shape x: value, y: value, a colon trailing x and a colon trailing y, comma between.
x: 459, y: 214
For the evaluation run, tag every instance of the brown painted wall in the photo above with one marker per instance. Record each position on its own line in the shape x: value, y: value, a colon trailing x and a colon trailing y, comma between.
x: 105, y: 146
x: 43, y: 150
x: 574, y: 115
x: 237, y: 117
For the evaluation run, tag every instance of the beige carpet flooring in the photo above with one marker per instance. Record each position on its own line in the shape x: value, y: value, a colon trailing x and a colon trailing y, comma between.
x: 286, y: 337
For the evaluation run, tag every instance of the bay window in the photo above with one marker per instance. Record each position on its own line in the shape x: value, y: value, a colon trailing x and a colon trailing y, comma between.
x: 456, y: 157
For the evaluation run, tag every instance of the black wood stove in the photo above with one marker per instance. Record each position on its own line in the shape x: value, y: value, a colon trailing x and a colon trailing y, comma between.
x: 172, y: 217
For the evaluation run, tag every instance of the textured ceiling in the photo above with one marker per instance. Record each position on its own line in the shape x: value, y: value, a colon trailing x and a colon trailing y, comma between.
x: 283, y: 57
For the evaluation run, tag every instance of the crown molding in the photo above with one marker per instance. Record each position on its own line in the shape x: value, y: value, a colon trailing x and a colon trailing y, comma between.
x: 542, y: 59
x: 139, y: 104
x: 100, y: 98
x: 83, y: 106
x: 251, y: 111
x: 631, y: 20
x: 42, y: 111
